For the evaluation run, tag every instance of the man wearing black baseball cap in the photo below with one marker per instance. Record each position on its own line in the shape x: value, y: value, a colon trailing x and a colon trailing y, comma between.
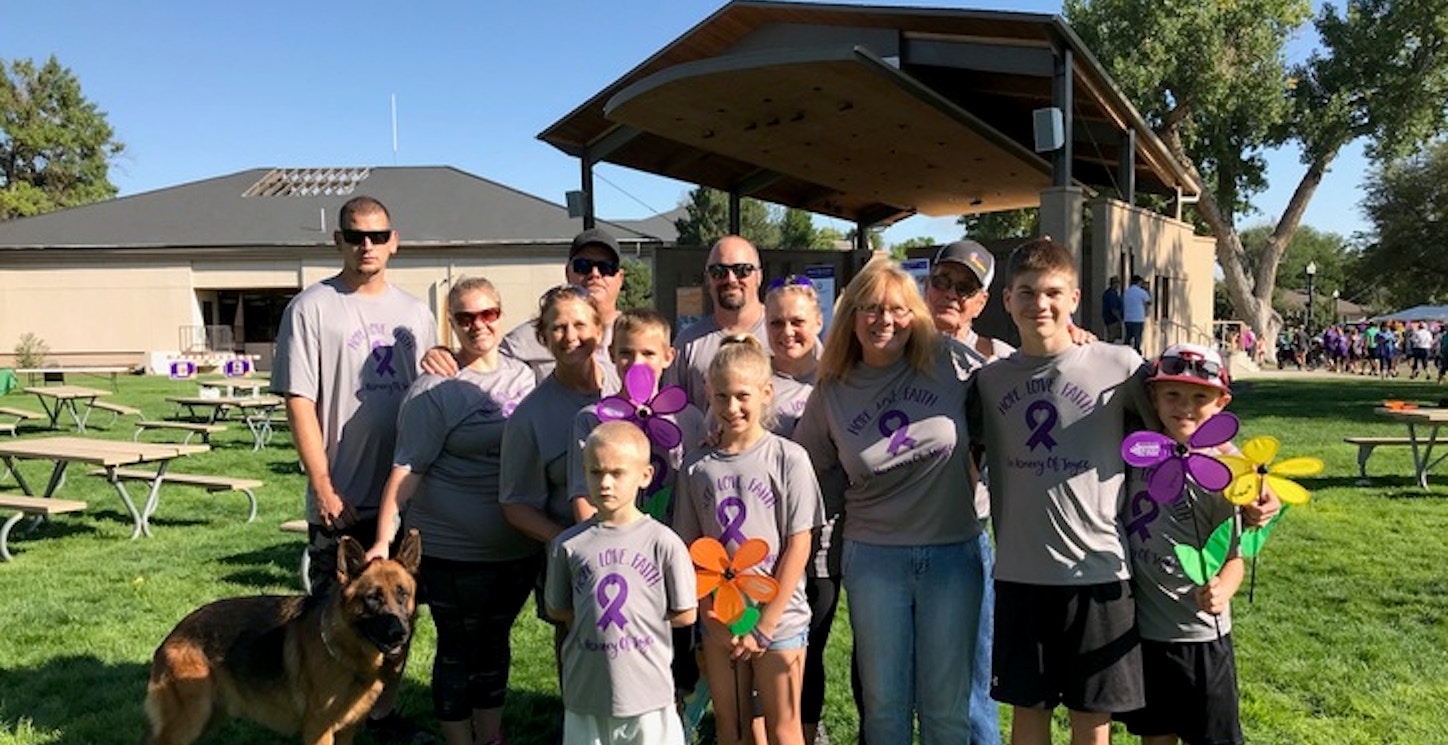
x: 593, y: 262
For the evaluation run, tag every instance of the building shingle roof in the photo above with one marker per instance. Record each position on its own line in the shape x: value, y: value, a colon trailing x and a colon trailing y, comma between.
x: 430, y: 205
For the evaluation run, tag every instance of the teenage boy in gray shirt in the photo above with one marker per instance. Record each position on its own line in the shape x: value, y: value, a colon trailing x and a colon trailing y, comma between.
x: 1052, y: 417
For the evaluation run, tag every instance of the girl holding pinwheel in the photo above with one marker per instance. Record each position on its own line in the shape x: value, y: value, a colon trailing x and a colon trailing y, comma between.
x: 753, y: 484
x: 1185, y: 540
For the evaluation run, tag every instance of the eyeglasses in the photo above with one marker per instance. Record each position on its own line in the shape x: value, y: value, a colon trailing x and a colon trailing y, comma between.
x: 873, y: 311
x: 793, y: 280
x: 585, y: 267
x: 464, y: 319
x: 944, y: 283
x: 355, y: 237
x: 561, y: 292
x: 722, y: 271
x: 1197, y: 368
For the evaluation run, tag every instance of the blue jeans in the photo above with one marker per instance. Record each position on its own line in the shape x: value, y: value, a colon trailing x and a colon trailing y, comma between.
x: 915, y: 611
x: 985, y: 715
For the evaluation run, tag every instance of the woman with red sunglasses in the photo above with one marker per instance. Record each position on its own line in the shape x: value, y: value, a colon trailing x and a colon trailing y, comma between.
x: 477, y: 569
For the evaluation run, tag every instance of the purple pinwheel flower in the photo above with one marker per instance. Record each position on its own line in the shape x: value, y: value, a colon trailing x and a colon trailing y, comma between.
x: 633, y: 404
x: 1171, y: 462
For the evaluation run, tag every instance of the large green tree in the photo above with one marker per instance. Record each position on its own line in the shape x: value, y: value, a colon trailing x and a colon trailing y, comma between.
x: 1407, y: 203
x: 55, y: 145
x: 708, y: 219
x: 990, y: 226
x: 1213, y: 80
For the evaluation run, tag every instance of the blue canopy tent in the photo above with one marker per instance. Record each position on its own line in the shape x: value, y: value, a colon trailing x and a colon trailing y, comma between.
x: 1431, y: 313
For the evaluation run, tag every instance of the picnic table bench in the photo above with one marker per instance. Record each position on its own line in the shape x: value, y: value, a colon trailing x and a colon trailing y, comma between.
x: 1366, y: 445
x: 38, y: 506
x: 20, y: 415
x: 212, y: 484
x: 190, y: 428
x: 300, y: 526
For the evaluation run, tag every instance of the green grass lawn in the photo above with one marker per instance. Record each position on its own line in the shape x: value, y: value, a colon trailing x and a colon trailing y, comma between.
x: 1346, y: 641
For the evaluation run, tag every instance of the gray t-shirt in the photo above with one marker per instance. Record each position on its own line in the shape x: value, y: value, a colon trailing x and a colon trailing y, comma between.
x: 536, y: 445
x: 695, y: 348
x: 657, y: 497
x: 450, y: 433
x: 522, y: 345
x: 767, y: 492
x: 1052, y: 429
x: 621, y: 584
x: 1165, y: 608
x: 978, y: 352
x: 790, y: 396
x: 355, y: 356
x: 900, y: 436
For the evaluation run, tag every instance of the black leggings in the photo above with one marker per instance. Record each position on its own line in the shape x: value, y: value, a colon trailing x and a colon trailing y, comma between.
x: 824, y: 598
x: 474, y: 604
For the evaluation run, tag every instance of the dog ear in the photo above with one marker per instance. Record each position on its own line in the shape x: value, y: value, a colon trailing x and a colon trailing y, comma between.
x: 409, y: 554
x: 351, y: 559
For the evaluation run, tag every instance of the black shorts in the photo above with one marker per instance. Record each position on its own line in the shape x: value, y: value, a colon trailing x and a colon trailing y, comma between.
x: 1075, y: 645
x: 1191, y: 693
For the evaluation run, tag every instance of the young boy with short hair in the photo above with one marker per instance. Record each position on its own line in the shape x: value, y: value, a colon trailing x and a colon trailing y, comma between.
x: 1189, y: 667
x: 619, y: 580
x: 1051, y: 418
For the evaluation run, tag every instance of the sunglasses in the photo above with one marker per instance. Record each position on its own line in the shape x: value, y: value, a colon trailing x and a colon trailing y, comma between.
x: 464, y: 319
x: 585, y: 267
x: 793, y: 280
x: 1201, y: 369
x: 722, y: 271
x: 355, y: 237
x: 943, y: 283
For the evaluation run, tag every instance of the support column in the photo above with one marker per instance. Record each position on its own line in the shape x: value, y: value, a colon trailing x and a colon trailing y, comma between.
x: 1062, y: 219
x: 736, y: 220
x: 589, y: 222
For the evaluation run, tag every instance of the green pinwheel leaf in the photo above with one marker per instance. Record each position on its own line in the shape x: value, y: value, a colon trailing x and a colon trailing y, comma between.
x: 657, y: 505
x: 747, y: 621
x: 1254, y: 538
x: 1202, y: 565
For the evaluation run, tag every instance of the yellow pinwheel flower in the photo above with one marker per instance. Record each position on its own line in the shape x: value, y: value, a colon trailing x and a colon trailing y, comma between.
x: 1254, y: 467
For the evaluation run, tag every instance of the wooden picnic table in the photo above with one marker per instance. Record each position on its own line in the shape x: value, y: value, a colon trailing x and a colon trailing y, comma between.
x: 234, y: 386
x: 57, y: 374
x: 57, y: 398
x: 110, y: 455
x: 1422, y: 444
x: 256, y: 412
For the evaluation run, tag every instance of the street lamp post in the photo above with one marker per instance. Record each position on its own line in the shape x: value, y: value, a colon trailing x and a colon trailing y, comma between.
x: 1335, y: 295
x: 1311, y: 272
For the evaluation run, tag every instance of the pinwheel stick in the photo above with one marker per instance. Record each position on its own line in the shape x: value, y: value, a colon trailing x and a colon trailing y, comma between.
x: 1202, y: 563
x: 1252, y: 581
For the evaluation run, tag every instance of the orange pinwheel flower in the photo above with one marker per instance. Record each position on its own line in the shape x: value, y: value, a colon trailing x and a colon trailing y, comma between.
x: 729, y: 579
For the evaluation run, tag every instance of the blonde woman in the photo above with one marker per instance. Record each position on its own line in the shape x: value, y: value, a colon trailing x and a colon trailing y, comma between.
x: 889, y: 409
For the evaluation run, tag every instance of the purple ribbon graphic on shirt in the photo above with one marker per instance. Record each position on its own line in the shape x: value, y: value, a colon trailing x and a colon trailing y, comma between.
x: 896, y: 425
x: 384, y: 360
x: 1042, y: 433
x: 611, y: 604
x: 1138, y: 524
x: 731, y: 523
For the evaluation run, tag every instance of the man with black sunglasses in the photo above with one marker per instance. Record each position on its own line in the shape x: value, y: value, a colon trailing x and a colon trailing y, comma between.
x: 732, y: 276
x: 593, y: 262
x: 347, y: 352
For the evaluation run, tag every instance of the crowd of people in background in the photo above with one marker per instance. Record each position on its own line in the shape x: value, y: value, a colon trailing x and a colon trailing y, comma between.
x: 1384, y: 349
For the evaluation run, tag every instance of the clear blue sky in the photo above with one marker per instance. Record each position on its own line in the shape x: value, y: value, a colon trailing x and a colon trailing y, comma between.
x: 199, y: 89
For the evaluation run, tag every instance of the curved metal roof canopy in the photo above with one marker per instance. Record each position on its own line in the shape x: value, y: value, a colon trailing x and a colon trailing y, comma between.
x: 871, y: 114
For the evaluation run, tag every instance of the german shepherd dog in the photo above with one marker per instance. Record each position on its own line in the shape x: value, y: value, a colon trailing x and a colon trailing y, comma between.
x: 314, y: 665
